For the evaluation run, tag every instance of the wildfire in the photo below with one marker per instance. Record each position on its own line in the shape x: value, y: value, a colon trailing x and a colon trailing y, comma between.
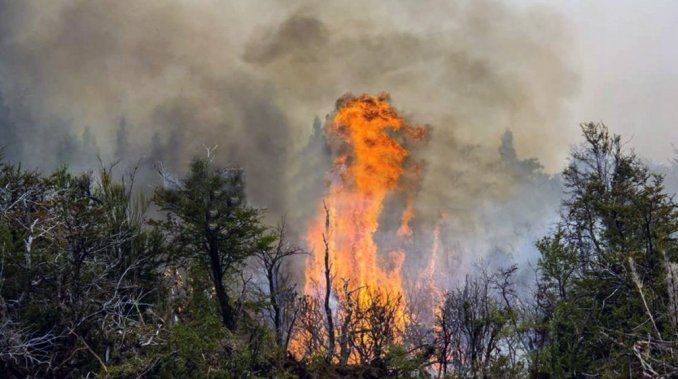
x: 430, y: 271
x: 369, y: 142
x: 408, y: 214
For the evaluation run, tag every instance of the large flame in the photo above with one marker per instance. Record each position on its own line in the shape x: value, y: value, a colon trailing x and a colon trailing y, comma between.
x: 369, y: 141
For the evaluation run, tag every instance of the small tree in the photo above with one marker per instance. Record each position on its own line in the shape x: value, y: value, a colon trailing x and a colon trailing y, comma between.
x: 471, y: 325
x: 281, y: 290
x: 207, y: 220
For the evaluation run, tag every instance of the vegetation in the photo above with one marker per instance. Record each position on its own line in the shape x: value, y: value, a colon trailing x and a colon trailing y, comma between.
x: 607, y: 290
x: 98, y: 280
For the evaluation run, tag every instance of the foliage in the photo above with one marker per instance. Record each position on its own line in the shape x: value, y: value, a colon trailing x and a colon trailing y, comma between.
x: 91, y: 285
x: 77, y: 275
x: 606, y: 272
x: 208, y: 220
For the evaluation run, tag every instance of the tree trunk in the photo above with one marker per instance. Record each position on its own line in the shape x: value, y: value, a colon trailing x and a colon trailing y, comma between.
x: 225, y: 307
x: 273, y: 293
x: 328, y: 288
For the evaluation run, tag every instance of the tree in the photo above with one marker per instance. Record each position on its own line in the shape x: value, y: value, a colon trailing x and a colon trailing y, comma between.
x: 605, y: 274
x: 471, y: 325
x: 208, y: 220
x: 328, y: 288
x: 281, y: 290
x: 77, y: 273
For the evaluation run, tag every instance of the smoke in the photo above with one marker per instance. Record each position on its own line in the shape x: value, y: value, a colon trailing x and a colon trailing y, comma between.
x: 156, y: 81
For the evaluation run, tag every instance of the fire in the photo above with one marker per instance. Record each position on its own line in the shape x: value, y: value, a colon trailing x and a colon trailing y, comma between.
x: 430, y: 271
x: 408, y: 214
x: 369, y: 140
x: 431, y: 267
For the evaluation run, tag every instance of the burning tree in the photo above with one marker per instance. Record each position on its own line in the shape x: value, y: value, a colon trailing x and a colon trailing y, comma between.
x: 360, y: 289
x: 369, y: 141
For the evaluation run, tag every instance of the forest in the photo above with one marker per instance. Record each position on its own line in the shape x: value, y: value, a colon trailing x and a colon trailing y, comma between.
x: 330, y: 189
x: 101, y: 279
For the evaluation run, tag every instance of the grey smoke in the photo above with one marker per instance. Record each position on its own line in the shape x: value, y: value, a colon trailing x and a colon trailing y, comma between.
x: 157, y: 81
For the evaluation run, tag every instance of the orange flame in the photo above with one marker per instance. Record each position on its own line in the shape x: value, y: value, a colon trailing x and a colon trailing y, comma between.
x: 369, y: 139
x: 408, y: 214
x: 430, y: 271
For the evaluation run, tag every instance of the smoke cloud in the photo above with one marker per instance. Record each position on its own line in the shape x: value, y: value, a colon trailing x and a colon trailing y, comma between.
x: 156, y: 81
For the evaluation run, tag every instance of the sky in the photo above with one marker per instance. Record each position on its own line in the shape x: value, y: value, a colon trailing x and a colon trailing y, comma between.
x: 625, y: 55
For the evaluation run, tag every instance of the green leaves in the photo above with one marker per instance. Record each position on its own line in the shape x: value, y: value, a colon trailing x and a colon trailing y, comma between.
x: 616, y: 212
x: 207, y: 220
x: 73, y: 262
x: 207, y: 209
